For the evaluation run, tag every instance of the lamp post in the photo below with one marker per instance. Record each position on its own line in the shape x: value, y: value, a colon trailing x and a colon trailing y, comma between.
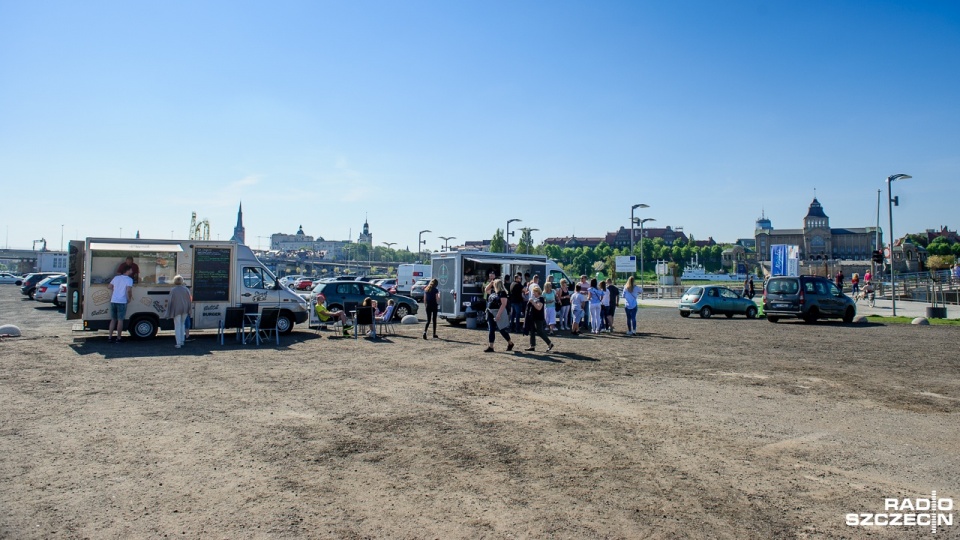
x: 507, y: 235
x: 446, y: 241
x: 641, y: 222
x: 632, y: 219
x: 528, y: 230
x: 389, y: 246
x: 890, y: 203
x: 421, y: 242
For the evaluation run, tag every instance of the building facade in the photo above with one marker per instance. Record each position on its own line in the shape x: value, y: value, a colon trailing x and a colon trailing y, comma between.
x: 817, y: 240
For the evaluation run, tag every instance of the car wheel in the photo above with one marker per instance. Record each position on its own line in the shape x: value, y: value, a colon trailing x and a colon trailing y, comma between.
x: 706, y: 312
x: 684, y: 314
x: 751, y: 312
x: 30, y: 294
x: 773, y: 319
x: 811, y: 316
x: 848, y: 315
x: 143, y: 328
x: 285, y: 323
x: 18, y: 283
x: 402, y: 311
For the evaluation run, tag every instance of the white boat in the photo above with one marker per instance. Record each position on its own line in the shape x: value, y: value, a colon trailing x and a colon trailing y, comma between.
x: 696, y: 272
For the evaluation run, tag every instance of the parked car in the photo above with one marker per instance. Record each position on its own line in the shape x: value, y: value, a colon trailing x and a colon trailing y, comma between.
x: 47, y: 289
x: 303, y: 284
x: 388, y: 284
x: 350, y: 294
x: 6, y: 278
x: 416, y: 292
x: 709, y: 299
x: 289, y: 281
x: 806, y: 297
x: 61, y: 296
x: 30, y: 281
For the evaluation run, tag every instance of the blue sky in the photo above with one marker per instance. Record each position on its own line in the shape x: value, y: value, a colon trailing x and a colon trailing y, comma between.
x: 456, y: 116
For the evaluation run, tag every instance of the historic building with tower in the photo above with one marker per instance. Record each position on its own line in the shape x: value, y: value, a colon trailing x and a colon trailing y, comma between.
x: 239, y: 232
x: 817, y: 240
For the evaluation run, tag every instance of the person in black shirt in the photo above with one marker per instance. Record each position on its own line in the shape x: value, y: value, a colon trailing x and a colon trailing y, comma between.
x: 614, y: 300
x: 535, y: 319
x: 516, y: 303
x: 431, y: 300
x: 497, y: 311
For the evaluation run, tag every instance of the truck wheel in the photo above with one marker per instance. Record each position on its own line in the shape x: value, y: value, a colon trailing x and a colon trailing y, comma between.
x: 402, y: 311
x: 285, y: 323
x: 143, y: 328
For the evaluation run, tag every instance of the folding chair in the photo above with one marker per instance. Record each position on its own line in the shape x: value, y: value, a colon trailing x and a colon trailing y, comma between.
x: 363, y: 317
x: 386, y: 323
x: 267, y: 324
x: 233, y: 319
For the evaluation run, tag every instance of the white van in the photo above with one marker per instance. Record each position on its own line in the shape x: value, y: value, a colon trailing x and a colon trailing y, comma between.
x: 408, y: 274
x: 218, y: 274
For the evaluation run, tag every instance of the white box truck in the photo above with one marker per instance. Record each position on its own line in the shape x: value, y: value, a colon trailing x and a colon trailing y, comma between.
x: 461, y: 276
x: 408, y: 274
x: 218, y: 274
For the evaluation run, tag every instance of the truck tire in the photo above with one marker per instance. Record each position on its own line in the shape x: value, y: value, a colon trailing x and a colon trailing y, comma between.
x: 143, y: 327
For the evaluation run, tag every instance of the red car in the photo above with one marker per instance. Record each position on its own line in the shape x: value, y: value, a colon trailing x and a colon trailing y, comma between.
x: 303, y: 284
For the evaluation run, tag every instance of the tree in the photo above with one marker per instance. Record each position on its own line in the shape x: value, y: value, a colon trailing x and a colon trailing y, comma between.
x: 525, y: 244
x: 497, y: 243
x: 916, y: 239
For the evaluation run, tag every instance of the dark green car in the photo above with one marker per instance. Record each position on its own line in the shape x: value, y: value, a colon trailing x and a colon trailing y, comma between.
x: 347, y: 295
x: 709, y: 299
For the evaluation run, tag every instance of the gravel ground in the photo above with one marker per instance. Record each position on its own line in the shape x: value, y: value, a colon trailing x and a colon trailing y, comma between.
x: 719, y: 428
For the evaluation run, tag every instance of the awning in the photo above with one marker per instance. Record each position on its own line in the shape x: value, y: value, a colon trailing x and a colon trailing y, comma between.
x: 166, y: 248
x: 482, y: 260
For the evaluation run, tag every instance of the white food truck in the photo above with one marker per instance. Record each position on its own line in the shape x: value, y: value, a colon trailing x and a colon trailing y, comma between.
x: 218, y: 274
x: 461, y: 276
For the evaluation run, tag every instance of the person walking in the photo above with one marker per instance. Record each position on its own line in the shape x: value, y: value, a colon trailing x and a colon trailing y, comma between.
x: 497, y: 299
x: 535, y: 320
x: 179, y: 308
x: 855, y: 283
x: 604, y: 305
x: 752, y: 290
x: 746, y: 288
x: 431, y: 301
x: 595, y: 298
x: 577, y: 300
x: 121, y: 292
x: 631, y: 295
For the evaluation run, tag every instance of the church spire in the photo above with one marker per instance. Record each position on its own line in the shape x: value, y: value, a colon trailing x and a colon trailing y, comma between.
x: 239, y: 232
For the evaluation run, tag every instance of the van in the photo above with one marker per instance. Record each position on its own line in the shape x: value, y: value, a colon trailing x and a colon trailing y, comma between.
x: 408, y: 274
x: 218, y: 274
x: 806, y: 297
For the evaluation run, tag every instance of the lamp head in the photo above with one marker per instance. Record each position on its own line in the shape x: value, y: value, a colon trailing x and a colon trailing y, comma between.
x: 641, y: 205
x: 895, y: 177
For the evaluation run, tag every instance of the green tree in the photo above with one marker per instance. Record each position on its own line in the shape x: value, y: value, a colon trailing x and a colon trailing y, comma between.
x: 916, y: 239
x: 525, y: 245
x: 497, y: 243
x: 939, y: 246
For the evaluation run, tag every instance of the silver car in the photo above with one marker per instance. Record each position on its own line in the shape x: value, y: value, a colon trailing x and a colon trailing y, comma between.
x: 48, y: 288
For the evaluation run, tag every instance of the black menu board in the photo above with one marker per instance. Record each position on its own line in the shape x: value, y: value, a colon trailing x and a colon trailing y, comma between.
x: 211, y: 274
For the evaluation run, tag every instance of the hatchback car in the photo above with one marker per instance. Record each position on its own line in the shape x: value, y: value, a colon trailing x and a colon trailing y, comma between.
x: 416, y: 292
x: 30, y: 281
x: 709, y: 299
x: 47, y: 289
x: 350, y: 294
x: 806, y: 297
x: 6, y: 278
x: 303, y: 284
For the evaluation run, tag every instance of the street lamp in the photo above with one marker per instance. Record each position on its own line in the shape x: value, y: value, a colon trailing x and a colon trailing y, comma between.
x: 507, y: 235
x: 890, y: 204
x: 641, y: 222
x: 446, y: 241
x: 528, y: 230
x: 632, y: 208
x: 421, y: 242
x: 389, y: 246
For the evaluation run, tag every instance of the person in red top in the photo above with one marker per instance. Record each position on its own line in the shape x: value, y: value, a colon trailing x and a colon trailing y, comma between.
x: 128, y: 263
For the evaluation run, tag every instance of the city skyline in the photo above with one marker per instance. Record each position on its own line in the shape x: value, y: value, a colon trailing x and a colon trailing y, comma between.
x: 455, y: 118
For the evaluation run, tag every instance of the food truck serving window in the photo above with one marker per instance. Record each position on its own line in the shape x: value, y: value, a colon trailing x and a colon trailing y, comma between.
x: 157, y: 262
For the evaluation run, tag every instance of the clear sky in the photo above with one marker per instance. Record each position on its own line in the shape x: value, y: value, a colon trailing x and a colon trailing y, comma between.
x: 456, y: 116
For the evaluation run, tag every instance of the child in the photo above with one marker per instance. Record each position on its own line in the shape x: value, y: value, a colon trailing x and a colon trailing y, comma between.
x: 576, y: 303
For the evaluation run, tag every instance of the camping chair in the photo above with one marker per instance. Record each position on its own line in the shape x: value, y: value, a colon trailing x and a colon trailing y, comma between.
x: 387, y: 322
x: 267, y: 324
x: 363, y: 317
x: 233, y: 319
x: 334, y: 322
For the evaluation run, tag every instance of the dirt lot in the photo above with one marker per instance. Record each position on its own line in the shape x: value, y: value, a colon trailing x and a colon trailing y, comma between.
x: 720, y: 428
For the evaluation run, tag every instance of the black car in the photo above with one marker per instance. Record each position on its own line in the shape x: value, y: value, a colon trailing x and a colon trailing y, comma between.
x: 806, y: 297
x: 29, y: 285
x: 350, y: 294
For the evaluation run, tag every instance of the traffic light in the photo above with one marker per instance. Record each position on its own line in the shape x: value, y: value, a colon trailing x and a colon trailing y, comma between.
x: 877, y: 256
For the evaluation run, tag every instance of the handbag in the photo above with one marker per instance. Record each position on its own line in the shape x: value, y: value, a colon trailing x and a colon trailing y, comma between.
x: 503, y: 321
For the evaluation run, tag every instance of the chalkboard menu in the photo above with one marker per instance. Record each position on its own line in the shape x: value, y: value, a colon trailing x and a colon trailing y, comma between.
x: 211, y: 274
